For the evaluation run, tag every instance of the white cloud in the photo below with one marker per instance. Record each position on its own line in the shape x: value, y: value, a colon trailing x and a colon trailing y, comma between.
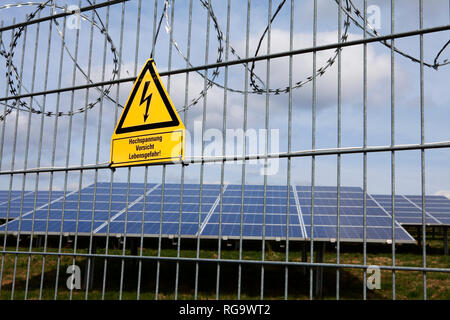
x: 378, y: 58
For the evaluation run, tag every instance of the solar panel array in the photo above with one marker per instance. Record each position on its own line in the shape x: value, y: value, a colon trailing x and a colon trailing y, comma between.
x: 252, y: 213
x: 257, y: 211
x: 408, y: 209
x: 77, y: 212
x: 13, y: 203
x: 160, y: 213
x: 322, y: 216
x: 437, y: 207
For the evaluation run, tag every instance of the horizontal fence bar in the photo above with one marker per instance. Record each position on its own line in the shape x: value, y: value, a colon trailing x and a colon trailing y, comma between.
x: 239, y: 61
x: 61, y: 15
x: 305, y: 153
x: 229, y: 261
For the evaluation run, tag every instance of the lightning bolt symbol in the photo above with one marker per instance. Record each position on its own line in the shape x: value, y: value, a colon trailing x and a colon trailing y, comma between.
x: 147, y: 99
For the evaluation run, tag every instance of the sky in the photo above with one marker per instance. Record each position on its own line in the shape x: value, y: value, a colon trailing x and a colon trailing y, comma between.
x: 83, y: 132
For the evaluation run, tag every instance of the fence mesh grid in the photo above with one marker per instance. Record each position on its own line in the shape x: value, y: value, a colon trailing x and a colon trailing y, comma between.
x: 278, y: 98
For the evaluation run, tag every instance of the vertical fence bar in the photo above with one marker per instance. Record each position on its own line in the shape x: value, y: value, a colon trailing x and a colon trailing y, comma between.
x: 1, y: 158
x: 177, y: 271
x: 33, y: 79
x: 83, y: 144
x: 155, y: 13
x: 161, y: 212
x: 422, y: 153
x: 393, y: 144
x: 266, y: 149
x: 163, y: 178
x: 141, y: 243
x: 155, y: 32
x: 105, y: 266
x: 105, y: 263
x: 244, y: 148
x: 94, y: 199
x: 138, y: 33
x: 55, y: 133
x: 169, y: 67
x: 25, y: 162
x: 313, y: 146
x: 338, y: 170
x: 186, y: 101
x: 288, y: 173
x: 5, y: 110
x: 41, y: 138
x: 8, y: 79
x: 202, y: 166
x: 68, y: 146
x: 99, y: 131
x: 136, y: 55
x: 80, y: 182
x: 124, y: 246
x: 224, y: 137
x: 365, y: 153
x: 163, y: 175
x: 1, y: 162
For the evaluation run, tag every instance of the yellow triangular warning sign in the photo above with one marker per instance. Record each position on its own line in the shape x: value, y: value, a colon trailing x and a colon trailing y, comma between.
x: 149, y: 130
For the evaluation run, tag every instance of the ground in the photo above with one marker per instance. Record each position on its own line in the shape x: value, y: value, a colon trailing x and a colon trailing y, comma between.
x: 408, y: 284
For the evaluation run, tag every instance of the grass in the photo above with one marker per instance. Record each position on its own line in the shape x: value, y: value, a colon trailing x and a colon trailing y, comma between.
x: 409, y: 285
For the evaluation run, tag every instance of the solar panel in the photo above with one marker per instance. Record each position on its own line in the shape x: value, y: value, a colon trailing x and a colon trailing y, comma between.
x: 77, y: 212
x: 437, y: 207
x: 351, y: 212
x: 170, y: 222
x: 252, y: 217
x: 408, y: 209
x: 5, y: 195
x: 22, y: 203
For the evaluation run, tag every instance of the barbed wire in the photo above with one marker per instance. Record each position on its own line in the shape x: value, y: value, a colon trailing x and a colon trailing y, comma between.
x: 254, y: 78
x: 352, y: 15
x: 317, y: 73
x: 15, y: 84
x: 256, y: 89
x: 374, y: 33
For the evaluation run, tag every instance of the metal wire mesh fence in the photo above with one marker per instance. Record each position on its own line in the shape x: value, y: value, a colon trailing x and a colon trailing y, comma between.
x: 300, y: 115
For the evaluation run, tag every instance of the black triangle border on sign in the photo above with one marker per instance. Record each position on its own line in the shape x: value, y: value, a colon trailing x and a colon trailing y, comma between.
x: 173, y: 123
